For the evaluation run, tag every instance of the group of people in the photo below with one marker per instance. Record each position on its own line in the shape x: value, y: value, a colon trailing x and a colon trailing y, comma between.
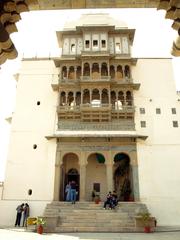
x: 111, y: 200
x: 22, y: 209
x: 71, y: 192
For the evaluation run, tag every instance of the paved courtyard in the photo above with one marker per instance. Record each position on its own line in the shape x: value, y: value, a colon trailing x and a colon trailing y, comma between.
x: 20, y: 234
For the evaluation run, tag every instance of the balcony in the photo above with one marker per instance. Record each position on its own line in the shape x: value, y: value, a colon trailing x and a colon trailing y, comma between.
x: 92, y: 53
x: 95, y: 112
x: 98, y: 79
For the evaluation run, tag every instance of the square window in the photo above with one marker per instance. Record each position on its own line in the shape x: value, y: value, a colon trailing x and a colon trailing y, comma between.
x: 87, y: 44
x: 175, y: 124
x: 103, y: 43
x: 158, y: 111
x: 142, y: 110
x: 95, y: 43
x: 118, y: 47
x: 143, y: 124
x: 173, y: 110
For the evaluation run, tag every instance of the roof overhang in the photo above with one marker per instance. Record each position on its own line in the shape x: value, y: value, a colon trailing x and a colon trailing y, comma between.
x: 95, y: 134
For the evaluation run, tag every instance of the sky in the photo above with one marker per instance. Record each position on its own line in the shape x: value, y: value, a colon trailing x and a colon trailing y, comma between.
x: 36, y: 37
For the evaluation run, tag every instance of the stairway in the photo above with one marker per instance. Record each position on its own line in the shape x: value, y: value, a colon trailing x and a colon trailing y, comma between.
x: 91, y: 217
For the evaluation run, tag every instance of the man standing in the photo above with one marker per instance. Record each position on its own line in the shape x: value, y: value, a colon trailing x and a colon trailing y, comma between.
x: 19, y: 210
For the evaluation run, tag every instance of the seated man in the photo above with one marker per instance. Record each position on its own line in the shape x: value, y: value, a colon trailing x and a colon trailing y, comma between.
x: 108, y: 200
x: 114, y: 200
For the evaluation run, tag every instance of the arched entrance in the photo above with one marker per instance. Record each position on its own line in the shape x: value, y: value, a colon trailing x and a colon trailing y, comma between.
x: 69, y: 172
x: 96, y: 176
x: 122, y: 177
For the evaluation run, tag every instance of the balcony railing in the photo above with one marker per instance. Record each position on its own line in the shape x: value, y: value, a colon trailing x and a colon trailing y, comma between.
x: 100, y: 78
x: 101, y: 106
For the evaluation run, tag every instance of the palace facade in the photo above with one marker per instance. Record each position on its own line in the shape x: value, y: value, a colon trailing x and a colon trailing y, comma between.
x: 98, y: 116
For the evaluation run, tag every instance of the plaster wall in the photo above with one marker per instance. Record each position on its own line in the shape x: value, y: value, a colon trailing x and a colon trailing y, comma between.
x: 29, y: 167
x: 8, y: 211
x: 158, y: 156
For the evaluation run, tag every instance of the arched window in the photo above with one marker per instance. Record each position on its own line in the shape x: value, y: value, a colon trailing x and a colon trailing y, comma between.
x: 127, y: 71
x: 86, y: 96
x: 86, y: 69
x: 71, y: 73
x: 113, y: 98
x: 95, y: 71
x: 121, y: 97
x: 119, y: 74
x: 78, y: 98
x: 62, y: 98
x: 105, y: 98
x: 104, y: 69
x: 129, y: 98
x: 70, y: 98
x: 95, y: 94
x: 64, y: 72
x: 78, y: 73
x: 112, y: 71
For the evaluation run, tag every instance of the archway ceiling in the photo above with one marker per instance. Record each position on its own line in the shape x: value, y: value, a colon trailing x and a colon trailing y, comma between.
x: 10, y: 14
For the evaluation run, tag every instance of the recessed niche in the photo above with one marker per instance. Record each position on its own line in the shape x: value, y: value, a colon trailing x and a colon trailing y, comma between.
x: 30, y: 192
x: 34, y: 146
x: 38, y: 103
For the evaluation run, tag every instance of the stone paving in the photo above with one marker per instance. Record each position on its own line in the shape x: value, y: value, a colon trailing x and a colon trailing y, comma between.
x: 21, y: 234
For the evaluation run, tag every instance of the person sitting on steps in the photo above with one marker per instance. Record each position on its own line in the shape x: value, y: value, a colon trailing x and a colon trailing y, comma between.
x: 108, y: 200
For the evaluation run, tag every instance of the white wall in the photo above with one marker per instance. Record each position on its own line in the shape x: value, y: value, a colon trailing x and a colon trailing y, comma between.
x: 29, y: 168
x: 158, y: 156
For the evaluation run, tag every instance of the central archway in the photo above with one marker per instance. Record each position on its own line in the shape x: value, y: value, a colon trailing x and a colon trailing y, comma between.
x: 96, y: 176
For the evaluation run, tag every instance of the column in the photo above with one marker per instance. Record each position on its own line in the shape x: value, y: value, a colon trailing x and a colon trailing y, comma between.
x: 90, y: 66
x: 100, y: 96
x: 108, y: 68
x: 82, y: 96
x: 57, y: 177
x: 109, y: 92
x: 90, y: 95
x: 67, y: 72
x: 75, y: 71
x: 82, y: 177
x: 100, y: 70
x: 109, y: 177
x: 66, y: 97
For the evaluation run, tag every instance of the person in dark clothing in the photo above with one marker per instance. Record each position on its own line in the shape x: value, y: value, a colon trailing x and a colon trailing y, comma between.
x: 19, y: 210
x: 25, y: 214
x: 108, y: 200
x: 114, y: 200
x: 73, y: 192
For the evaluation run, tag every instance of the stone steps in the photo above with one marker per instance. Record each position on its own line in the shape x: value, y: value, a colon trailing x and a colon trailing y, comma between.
x: 91, y: 217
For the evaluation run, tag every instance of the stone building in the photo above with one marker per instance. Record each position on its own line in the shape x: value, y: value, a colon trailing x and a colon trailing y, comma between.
x: 98, y: 116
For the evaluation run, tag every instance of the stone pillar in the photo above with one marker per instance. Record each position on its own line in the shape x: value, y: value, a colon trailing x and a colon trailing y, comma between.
x: 82, y: 96
x: 75, y: 71
x: 109, y: 177
x: 66, y: 98
x: 67, y: 72
x: 82, y: 177
x: 100, y: 96
x: 135, y: 182
x: 90, y: 95
x: 108, y: 68
x: 109, y: 172
x: 90, y: 66
x: 57, y: 177
x: 109, y: 92
x: 100, y: 70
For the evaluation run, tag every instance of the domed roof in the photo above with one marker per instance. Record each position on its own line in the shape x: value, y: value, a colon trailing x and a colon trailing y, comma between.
x: 100, y: 19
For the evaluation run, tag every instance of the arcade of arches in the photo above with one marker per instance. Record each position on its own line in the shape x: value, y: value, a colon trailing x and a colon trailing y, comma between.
x: 102, y: 171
